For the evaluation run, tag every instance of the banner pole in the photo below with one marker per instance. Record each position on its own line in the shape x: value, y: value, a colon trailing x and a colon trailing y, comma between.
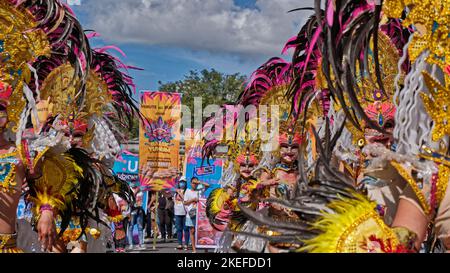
x: 155, y: 233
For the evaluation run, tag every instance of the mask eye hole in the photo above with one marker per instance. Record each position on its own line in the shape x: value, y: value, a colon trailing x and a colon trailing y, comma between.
x: 389, y: 125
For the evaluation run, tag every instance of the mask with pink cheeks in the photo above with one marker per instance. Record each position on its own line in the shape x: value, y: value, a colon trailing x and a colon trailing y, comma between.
x: 247, y: 159
x: 290, y: 138
x: 381, y: 112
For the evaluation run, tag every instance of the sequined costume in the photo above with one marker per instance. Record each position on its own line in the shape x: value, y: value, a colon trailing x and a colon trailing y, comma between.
x: 51, y: 76
x: 337, y: 215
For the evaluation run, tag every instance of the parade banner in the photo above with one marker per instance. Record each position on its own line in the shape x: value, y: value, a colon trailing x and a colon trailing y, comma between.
x: 205, y: 236
x: 126, y: 167
x: 206, y: 172
x: 159, y: 136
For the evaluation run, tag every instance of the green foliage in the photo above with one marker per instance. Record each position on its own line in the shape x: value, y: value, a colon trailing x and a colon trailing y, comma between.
x: 210, y: 85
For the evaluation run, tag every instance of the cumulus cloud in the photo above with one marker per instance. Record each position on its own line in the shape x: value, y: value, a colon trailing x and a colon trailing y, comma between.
x: 217, y: 26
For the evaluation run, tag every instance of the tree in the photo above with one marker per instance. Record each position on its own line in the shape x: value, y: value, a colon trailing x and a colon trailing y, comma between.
x: 212, y: 86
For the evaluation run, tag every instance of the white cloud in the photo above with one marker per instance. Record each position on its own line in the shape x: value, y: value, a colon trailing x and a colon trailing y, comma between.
x: 217, y: 26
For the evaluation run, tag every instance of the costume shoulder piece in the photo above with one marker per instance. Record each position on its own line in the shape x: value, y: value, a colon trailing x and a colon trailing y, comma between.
x: 354, y: 226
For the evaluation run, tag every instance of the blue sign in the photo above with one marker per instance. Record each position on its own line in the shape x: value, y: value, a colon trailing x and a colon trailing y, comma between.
x: 206, y: 172
x: 127, y: 168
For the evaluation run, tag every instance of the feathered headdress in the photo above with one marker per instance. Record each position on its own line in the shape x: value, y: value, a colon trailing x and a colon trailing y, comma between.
x: 308, y: 84
x: 119, y: 85
x: 268, y: 86
x: 22, y: 41
x: 351, y: 40
x: 33, y: 34
x: 276, y: 73
x: 334, y: 216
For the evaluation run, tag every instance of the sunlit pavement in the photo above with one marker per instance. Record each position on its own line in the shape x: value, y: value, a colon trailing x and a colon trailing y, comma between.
x: 28, y: 241
x: 161, y: 247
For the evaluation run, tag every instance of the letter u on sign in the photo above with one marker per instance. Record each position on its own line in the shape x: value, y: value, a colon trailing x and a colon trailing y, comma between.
x: 133, y: 167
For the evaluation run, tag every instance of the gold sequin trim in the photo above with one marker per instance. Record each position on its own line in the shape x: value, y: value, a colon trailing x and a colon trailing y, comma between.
x: 405, y: 174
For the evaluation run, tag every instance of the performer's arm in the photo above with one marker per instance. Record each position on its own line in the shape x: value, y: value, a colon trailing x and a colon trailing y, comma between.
x: 46, y: 229
x: 411, y: 216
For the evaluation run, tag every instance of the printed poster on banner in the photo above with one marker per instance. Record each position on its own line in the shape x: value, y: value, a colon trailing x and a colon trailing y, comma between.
x: 159, y: 136
x: 206, y: 172
x: 205, y: 235
x: 126, y: 167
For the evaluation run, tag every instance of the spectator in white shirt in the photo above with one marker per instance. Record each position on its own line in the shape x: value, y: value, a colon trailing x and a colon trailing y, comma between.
x: 191, y: 197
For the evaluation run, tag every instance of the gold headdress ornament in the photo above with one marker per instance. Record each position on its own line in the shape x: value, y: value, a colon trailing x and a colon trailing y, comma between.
x: 246, y: 147
x: 60, y: 89
x: 20, y: 44
x: 289, y: 129
x: 376, y: 104
x: 437, y: 103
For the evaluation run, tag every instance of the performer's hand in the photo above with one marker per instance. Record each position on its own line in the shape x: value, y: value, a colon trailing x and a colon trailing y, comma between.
x: 46, y: 230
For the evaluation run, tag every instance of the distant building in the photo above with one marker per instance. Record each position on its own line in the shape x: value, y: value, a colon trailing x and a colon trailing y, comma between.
x: 131, y: 146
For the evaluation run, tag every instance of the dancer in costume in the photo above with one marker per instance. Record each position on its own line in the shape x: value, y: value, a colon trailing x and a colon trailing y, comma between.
x: 238, y: 183
x: 222, y: 204
x: 63, y: 181
x: 278, y: 170
x: 350, y: 222
x: 87, y: 127
x: 30, y: 33
x: 420, y: 176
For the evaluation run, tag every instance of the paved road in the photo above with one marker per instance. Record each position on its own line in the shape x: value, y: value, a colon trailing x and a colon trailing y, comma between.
x: 28, y: 241
x: 161, y: 247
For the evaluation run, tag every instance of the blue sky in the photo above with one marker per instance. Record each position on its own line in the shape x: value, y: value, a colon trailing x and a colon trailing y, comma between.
x: 168, y: 38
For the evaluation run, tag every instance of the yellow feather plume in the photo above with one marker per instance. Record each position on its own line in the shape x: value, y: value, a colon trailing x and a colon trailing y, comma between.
x: 348, y: 229
x: 216, y: 200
